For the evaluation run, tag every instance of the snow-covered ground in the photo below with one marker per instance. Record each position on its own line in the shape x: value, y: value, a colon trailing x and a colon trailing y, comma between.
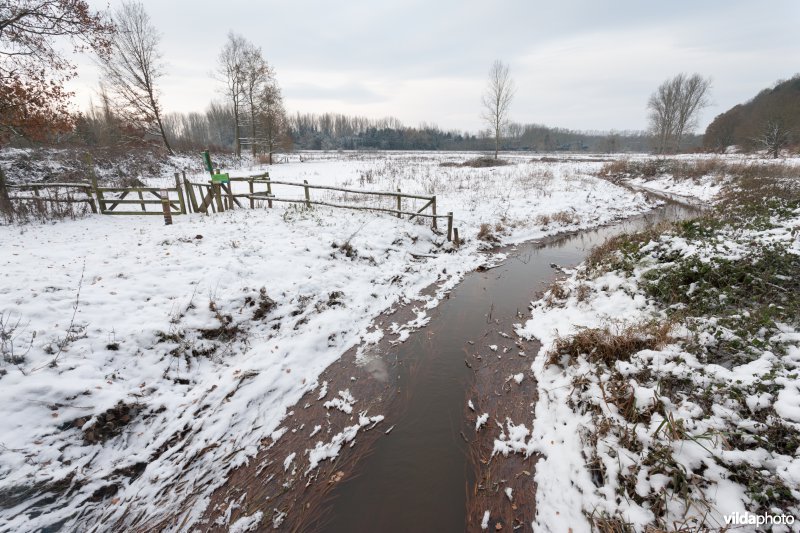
x: 683, y: 430
x: 709, y: 174
x: 142, y: 361
x: 700, y: 191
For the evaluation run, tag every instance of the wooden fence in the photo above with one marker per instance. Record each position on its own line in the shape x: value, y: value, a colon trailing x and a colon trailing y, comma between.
x: 214, y: 197
x: 210, y: 197
x: 36, y: 189
x: 120, y: 196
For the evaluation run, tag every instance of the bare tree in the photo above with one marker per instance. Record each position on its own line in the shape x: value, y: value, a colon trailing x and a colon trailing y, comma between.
x: 133, y: 69
x: 257, y: 77
x: 775, y: 137
x: 497, y: 101
x: 272, y: 118
x: 231, y: 72
x: 674, y: 108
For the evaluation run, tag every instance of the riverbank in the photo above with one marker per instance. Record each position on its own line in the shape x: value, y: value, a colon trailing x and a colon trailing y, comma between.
x: 668, y: 373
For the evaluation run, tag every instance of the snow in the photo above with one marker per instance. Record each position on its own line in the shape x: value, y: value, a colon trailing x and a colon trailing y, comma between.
x: 565, y: 414
x: 323, y: 391
x: 698, y: 191
x: 329, y: 450
x: 481, y: 420
x: 164, y: 320
x: 288, y: 461
x: 246, y: 523
x: 485, y: 520
x: 344, y: 403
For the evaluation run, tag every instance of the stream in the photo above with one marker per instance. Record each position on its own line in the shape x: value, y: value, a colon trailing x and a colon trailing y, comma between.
x: 425, y: 475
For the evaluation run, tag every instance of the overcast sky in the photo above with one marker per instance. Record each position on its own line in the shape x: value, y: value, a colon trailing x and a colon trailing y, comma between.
x: 581, y: 64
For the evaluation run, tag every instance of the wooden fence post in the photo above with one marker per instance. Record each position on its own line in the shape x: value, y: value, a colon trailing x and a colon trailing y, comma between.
x: 91, y: 201
x: 399, y: 204
x: 191, y: 200
x: 269, y: 192
x: 165, y: 207
x: 229, y: 196
x: 5, y: 199
x: 252, y: 202
x: 181, y: 201
x: 141, y: 197
x: 97, y: 192
x: 456, y: 240
x: 217, y: 190
x: 435, y: 225
x: 450, y: 226
x: 308, y: 196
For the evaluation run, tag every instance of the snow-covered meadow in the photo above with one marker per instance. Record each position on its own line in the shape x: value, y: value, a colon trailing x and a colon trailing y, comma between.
x: 141, y: 361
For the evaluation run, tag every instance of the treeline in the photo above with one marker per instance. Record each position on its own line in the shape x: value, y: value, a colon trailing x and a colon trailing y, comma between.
x: 214, y: 128
x: 330, y: 131
x: 100, y: 126
x: 770, y: 121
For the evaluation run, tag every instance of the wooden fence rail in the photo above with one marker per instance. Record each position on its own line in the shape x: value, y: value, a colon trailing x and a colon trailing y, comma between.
x: 37, y: 187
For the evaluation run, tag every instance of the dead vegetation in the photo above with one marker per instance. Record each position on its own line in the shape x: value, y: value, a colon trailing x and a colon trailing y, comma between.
x: 263, y: 304
x: 680, y: 170
x: 564, y: 218
x: 47, y: 205
x: 107, y: 424
x: 478, y: 162
x: 610, y: 344
x: 488, y: 233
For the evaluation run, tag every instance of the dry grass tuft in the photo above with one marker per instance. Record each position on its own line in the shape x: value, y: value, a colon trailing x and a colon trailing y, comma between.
x: 487, y: 233
x: 611, y: 524
x: 602, y: 345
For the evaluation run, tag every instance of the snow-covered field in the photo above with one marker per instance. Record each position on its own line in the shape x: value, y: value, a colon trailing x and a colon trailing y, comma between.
x: 142, y: 361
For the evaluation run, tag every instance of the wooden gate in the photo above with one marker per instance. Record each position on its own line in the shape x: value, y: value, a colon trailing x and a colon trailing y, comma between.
x: 109, y: 199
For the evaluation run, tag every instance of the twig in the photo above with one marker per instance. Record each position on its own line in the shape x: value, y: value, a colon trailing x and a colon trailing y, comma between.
x: 68, y: 338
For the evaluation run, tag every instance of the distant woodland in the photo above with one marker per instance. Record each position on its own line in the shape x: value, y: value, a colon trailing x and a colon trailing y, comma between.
x: 214, y: 129
x: 770, y: 120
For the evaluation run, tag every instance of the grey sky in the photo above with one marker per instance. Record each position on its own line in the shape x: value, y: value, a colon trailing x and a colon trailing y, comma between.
x: 579, y: 64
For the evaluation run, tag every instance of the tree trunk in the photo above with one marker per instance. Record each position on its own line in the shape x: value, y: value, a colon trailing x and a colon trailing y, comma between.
x: 164, y: 135
x: 5, y: 201
x: 236, y: 133
x: 270, y: 150
x: 253, y: 134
